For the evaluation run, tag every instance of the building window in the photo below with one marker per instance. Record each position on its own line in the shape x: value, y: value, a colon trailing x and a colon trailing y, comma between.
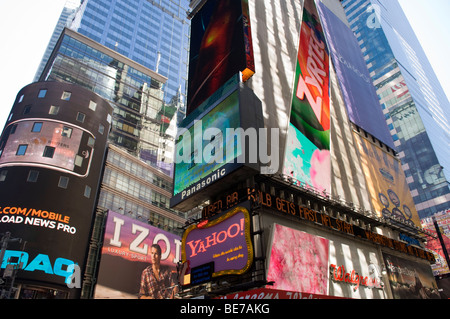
x: 66, y: 131
x: 13, y: 129
x: 78, y: 160
x: 49, y: 152
x: 87, y: 192
x: 27, y: 109
x: 42, y: 93
x: 22, y: 149
x: 101, y: 129
x: 63, y: 182
x: 3, y: 174
x: 21, y: 98
x: 37, y: 126
x: 53, y: 110
x: 33, y: 176
x: 91, y: 141
x: 66, y: 96
x: 80, y: 117
x: 92, y: 105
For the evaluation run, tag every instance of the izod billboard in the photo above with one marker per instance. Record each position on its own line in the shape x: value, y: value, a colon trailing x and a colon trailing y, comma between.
x: 219, y: 247
x: 133, y: 251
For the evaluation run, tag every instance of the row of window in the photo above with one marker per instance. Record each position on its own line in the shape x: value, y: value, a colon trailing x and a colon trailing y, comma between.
x: 65, y: 97
x: 120, y: 204
x: 33, y: 176
x: 54, y: 110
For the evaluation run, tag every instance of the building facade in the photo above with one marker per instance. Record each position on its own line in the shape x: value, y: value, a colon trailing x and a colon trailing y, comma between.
x: 154, y: 34
x: 139, y: 125
x: 65, y: 18
x: 415, y: 106
x: 325, y: 215
x: 52, y: 150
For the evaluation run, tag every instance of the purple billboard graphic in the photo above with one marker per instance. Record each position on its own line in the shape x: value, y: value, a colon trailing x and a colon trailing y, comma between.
x: 222, y: 246
x: 133, y: 253
x: 358, y: 91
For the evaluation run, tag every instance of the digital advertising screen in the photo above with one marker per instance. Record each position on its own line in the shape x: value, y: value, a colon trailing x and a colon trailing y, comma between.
x: 205, y: 153
x: 221, y: 46
x: 307, y: 155
x: 409, y: 279
x: 298, y: 261
x: 219, y: 247
x: 45, y: 143
x: 137, y: 260
x: 52, y: 247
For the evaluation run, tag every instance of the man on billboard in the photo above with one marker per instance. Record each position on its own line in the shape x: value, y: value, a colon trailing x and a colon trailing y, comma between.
x: 157, y: 281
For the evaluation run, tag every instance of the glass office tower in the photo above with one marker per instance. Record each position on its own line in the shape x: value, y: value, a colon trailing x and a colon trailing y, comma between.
x: 69, y: 10
x: 137, y: 177
x: 152, y: 33
x: 414, y: 103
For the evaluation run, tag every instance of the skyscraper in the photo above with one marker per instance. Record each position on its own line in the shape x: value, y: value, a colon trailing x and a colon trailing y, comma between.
x: 414, y: 103
x: 310, y: 100
x: 152, y: 33
x: 65, y: 18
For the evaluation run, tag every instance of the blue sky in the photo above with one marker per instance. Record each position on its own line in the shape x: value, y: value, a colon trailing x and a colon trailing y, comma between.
x: 26, y: 27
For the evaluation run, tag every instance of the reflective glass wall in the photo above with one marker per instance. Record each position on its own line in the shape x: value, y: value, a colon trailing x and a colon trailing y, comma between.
x: 415, y: 107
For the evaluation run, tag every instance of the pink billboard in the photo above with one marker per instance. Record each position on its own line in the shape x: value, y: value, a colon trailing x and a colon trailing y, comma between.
x: 298, y: 261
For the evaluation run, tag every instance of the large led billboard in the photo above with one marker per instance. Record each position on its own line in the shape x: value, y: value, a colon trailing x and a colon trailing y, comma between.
x: 50, y: 171
x: 222, y: 246
x: 298, y: 261
x: 47, y: 143
x: 386, y: 181
x: 361, y: 100
x: 137, y: 260
x: 307, y: 154
x: 215, y: 141
x: 202, y: 161
x: 410, y: 279
x: 221, y: 46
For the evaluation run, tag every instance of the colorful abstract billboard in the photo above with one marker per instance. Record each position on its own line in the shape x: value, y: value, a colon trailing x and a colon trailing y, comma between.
x: 137, y: 261
x: 307, y: 156
x: 358, y: 91
x: 409, y: 279
x: 221, y: 46
x: 298, y: 261
x: 386, y: 181
x: 222, y: 246
x: 439, y: 243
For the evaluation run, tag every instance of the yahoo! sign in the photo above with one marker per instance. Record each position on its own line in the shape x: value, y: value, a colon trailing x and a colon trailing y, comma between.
x: 225, y: 242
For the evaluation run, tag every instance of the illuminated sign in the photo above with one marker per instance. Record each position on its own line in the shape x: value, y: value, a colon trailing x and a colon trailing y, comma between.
x: 291, y: 209
x: 132, y: 247
x: 220, y: 46
x: 339, y: 274
x: 225, y: 242
x: 298, y: 261
x: 61, y: 267
x: 224, y: 135
x: 197, y: 162
x: 49, y: 144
